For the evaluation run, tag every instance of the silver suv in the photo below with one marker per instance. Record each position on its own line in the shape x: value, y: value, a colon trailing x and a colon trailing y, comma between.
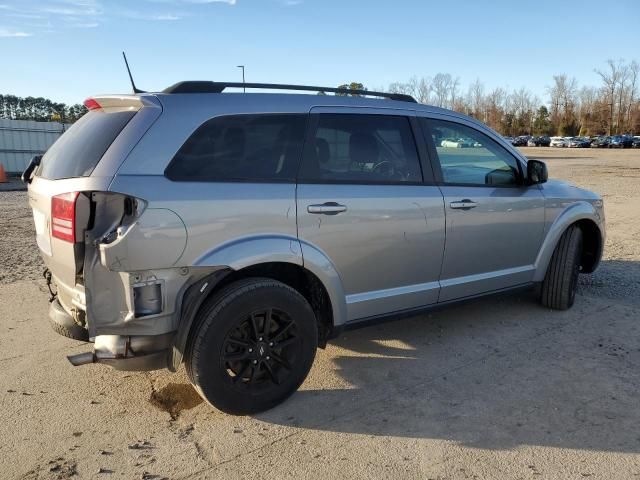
x: 239, y: 232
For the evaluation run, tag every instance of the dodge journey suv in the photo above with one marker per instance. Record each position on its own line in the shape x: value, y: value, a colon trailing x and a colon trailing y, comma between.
x: 240, y: 232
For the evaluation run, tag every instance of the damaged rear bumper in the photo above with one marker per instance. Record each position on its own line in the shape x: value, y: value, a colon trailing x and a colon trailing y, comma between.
x: 122, y: 352
x: 128, y: 352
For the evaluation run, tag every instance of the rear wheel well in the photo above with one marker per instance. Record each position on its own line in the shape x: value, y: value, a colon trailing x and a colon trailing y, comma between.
x: 591, y: 245
x: 302, y: 280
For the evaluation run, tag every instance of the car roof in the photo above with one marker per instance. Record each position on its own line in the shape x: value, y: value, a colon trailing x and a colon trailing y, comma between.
x: 297, y: 101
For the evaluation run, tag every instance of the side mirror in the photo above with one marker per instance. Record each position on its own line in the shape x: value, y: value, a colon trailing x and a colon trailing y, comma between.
x: 536, y: 172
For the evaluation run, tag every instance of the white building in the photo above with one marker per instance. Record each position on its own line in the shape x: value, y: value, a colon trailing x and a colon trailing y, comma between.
x: 22, y: 139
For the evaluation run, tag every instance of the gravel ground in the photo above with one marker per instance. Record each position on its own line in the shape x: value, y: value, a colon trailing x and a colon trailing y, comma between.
x: 19, y: 257
x: 496, y: 388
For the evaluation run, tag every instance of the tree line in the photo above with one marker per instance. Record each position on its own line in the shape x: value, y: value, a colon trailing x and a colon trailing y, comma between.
x: 39, y: 109
x: 613, y: 107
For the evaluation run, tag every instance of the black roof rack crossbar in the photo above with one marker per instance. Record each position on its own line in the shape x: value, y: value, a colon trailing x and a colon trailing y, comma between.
x: 218, y: 87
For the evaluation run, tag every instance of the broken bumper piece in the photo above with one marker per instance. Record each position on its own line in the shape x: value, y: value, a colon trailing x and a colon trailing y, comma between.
x: 123, y: 352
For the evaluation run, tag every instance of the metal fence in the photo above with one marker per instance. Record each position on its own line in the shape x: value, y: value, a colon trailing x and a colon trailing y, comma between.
x: 22, y: 139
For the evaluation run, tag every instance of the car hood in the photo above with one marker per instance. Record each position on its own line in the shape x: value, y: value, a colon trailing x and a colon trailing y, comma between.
x: 564, y: 189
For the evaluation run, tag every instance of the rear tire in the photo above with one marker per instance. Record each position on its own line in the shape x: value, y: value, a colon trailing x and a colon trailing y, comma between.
x: 561, y: 279
x: 252, y: 347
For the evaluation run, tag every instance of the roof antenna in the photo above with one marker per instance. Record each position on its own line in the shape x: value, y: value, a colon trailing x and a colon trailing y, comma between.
x: 133, y: 85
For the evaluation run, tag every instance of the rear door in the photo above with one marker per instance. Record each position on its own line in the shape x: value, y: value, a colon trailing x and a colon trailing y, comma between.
x: 495, y: 222
x: 361, y: 200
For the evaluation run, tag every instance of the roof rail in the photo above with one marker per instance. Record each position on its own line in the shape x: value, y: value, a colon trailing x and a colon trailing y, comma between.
x: 217, y: 87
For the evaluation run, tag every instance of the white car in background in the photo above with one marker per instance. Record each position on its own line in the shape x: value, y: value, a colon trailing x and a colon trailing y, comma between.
x: 559, y: 142
x: 451, y: 143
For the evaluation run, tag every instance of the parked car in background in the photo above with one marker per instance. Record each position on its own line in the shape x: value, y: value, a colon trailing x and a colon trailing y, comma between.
x: 199, y: 226
x: 508, y: 139
x: 453, y: 143
x: 579, y: 142
x: 636, y: 142
x: 621, y: 141
x: 520, y: 141
x: 558, y: 142
x: 542, y: 141
x: 601, y: 142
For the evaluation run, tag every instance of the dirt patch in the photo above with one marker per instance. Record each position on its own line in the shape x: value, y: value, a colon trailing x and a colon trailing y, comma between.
x: 174, y: 398
x: 58, y: 469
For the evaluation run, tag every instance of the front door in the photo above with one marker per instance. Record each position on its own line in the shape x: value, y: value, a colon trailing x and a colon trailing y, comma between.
x: 362, y: 201
x: 494, y: 223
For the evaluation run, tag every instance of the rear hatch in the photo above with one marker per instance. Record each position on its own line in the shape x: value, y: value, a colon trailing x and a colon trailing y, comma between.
x: 82, y: 161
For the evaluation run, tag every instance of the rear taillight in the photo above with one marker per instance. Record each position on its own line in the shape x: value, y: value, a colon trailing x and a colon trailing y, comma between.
x: 63, y: 216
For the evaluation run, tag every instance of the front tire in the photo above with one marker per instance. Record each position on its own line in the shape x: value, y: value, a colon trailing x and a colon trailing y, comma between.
x: 253, y: 346
x: 561, y: 279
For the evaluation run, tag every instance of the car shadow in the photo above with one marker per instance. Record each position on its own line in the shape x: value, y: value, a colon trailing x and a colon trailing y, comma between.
x: 495, y: 373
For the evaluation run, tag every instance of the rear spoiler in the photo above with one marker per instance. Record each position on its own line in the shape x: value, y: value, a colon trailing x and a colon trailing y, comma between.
x: 128, y: 102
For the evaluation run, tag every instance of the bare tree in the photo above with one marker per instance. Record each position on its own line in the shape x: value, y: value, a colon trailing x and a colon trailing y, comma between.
x: 454, y: 101
x: 419, y: 88
x: 563, y: 102
x: 613, y: 107
x: 441, y: 88
x: 423, y: 90
x: 610, y: 78
x: 634, y: 73
x: 475, y: 99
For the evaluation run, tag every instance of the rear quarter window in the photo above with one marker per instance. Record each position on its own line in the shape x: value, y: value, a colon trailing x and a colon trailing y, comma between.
x: 261, y: 147
x: 77, y: 152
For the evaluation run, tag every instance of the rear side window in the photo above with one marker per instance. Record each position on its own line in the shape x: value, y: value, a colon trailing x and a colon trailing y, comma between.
x: 358, y: 148
x: 77, y: 152
x: 265, y: 147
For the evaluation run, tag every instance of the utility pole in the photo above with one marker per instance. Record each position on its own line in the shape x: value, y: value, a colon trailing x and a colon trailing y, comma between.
x: 244, y: 90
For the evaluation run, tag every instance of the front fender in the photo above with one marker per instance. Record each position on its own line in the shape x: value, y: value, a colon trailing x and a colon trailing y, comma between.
x: 575, y: 212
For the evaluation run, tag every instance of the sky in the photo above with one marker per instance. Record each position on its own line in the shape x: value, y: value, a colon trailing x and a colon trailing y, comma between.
x: 67, y: 50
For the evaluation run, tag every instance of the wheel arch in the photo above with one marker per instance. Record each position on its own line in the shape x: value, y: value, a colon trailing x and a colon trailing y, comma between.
x: 276, y: 257
x: 587, y: 218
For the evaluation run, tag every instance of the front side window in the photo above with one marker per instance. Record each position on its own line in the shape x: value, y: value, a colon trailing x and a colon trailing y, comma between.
x: 469, y: 157
x: 358, y: 148
x: 262, y: 147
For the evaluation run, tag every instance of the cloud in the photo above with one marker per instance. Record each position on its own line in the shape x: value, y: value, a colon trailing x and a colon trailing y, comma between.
x: 194, y: 2
x: 162, y: 17
x: 166, y: 17
x: 19, y: 15
x: 229, y: 2
x: 85, y: 25
x: 9, y: 33
x: 88, y: 11
x: 291, y: 3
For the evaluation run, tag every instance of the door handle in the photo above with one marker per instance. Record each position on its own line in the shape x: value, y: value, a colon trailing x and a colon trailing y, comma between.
x: 465, y: 204
x: 327, y: 208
